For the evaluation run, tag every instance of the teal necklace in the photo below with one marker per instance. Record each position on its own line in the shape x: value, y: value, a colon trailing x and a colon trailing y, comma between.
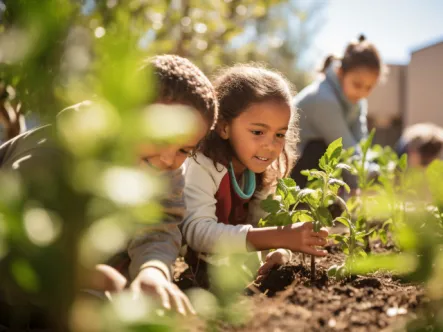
x: 249, y: 183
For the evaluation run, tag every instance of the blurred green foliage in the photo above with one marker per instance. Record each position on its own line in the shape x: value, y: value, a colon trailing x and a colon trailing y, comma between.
x: 51, y: 46
x: 74, y: 211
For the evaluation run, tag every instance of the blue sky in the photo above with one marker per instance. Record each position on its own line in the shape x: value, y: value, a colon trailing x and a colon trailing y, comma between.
x: 395, y: 26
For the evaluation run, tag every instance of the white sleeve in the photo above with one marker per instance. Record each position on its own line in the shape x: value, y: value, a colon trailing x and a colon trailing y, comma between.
x: 256, y: 213
x: 200, y: 228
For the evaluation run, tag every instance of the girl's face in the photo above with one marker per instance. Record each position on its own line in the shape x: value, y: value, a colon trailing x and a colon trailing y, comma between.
x: 358, y: 83
x: 171, y: 156
x: 257, y: 135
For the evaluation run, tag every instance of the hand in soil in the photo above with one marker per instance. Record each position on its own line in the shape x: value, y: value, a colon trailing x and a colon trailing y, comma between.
x: 302, y: 238
x: 151, y: 281
x: 274, y: 258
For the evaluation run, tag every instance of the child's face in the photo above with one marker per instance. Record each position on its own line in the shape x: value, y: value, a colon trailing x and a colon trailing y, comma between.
x: 171, y: 156
x: 257, y: 135
x: 358, y: 83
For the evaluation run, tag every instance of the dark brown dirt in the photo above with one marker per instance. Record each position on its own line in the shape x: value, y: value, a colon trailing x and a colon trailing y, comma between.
x: 286, y: 300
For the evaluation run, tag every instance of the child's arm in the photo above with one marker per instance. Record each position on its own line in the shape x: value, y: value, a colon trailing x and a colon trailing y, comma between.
x: 295, y: 237
x: 200, y: 228
x: 279, y: 256
x: 159, y: 246
x: 202, y: 232
x: 153, y: 252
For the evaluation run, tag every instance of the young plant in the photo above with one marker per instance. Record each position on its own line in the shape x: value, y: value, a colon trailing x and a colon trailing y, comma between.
x: 352, y: 245
x: 360, y: 167
x: 283, y: 208
x: 382, y: 201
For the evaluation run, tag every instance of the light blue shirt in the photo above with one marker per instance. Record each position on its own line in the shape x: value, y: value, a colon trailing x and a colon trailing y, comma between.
x: 326, y: 113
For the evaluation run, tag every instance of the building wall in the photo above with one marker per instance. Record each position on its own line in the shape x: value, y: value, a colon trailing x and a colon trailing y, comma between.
x: 424, y: 89
x: 386, y: 106
x: 386, y: 101
x: 411, y: 94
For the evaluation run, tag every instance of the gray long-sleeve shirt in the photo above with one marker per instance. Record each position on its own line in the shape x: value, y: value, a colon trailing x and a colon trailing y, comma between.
x: 157, y: 246
x: 325, y: 113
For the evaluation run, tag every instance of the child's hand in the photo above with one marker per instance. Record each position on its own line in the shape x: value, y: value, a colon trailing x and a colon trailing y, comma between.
x: 302, y: 238
x: 152, y: 281
x: 274, y: 258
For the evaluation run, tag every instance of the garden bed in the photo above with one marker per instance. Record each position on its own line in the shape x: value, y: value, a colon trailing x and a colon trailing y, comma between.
x: 287, y: 300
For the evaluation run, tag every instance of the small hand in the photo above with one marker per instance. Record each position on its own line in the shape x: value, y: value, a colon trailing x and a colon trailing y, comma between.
x: 302, y: 238
x: 274, y: 258
x: 152, y: 281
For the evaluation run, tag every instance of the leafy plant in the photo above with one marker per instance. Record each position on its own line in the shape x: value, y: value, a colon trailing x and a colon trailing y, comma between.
x: 283, y: 208
x: 352, y: 245
x: 360, y: 163
x: 380, y: 177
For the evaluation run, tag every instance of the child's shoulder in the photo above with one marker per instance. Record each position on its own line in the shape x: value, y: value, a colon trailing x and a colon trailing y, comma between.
x: 315, y: 93
x: 200, y: 164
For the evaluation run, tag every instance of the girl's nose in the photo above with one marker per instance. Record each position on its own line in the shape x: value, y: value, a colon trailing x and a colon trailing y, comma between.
x: 167, y: 158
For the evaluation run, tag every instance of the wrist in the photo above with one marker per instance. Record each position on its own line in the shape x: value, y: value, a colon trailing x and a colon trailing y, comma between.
x: 153, y: 271
x: 265, y: 238
x: 158, y: 265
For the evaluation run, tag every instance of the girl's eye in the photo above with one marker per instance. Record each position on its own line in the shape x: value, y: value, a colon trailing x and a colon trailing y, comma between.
x: 186, y: 152
x: 256, y: 132
x: 281, y: 135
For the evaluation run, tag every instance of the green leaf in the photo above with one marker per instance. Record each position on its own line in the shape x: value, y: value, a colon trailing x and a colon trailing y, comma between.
x: 324, y: 216
x: 282, y: 219
x: 305, y: 172
x: 288, y: 182
x: 366, y: 143
x: 270, y: 205
x: 340, y: 238
x: 360, y: 223
x: 344, y: 221
x: 341, y: 183
x: 302, y: 216
x: 310, y: 196
x: 306, y: 192
x: 317, y: 174
x: 323, y: 163
x: 383, y: 236
x: 289, y: 200
x: 332, y: 271
x: 333, y: 152
x: 344, y: 166
x: 387, y: 222
x: 360, y: 252
x: 403, y: 162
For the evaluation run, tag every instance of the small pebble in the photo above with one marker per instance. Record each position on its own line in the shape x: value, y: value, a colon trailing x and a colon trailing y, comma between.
x: 394, y: 311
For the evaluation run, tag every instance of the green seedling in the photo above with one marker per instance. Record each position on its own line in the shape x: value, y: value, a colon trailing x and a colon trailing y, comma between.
x: 353, y: 247
x: 282, y: 208
x: 380, y: 176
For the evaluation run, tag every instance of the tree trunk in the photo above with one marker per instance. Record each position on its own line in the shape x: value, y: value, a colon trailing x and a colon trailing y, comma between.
x: 12, y: 120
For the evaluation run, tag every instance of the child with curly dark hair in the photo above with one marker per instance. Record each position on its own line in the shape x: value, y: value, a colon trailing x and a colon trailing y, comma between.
x: 150, y: 254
